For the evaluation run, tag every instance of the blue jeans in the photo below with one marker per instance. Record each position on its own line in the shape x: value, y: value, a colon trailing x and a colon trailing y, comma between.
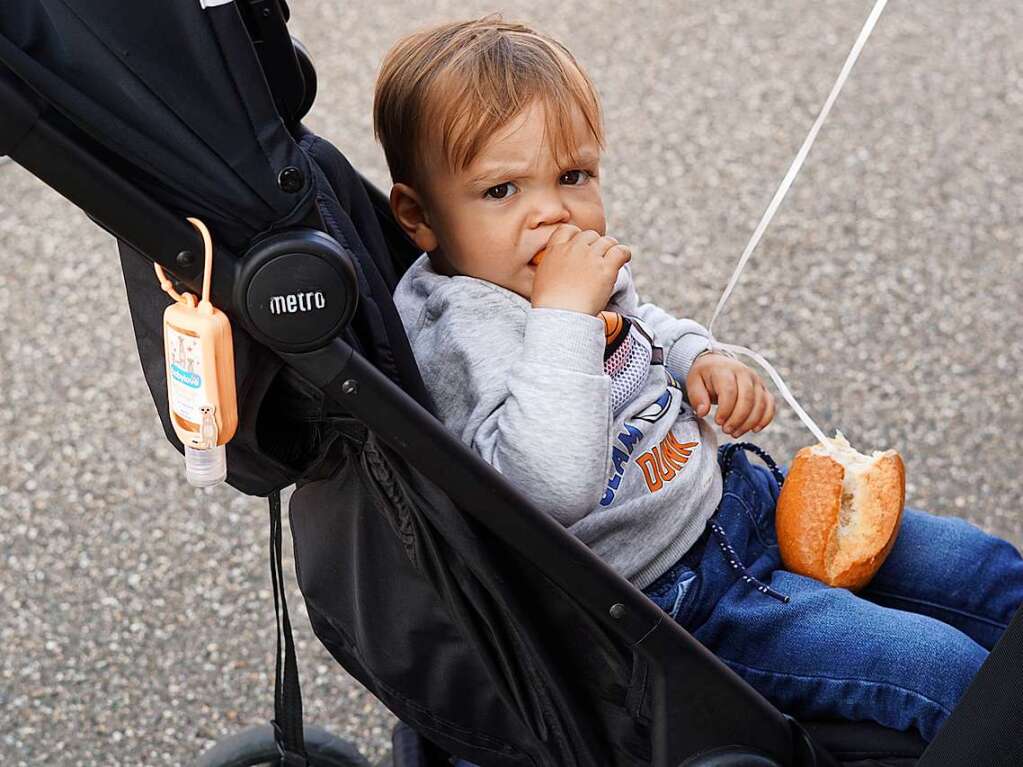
x: 901, y: 652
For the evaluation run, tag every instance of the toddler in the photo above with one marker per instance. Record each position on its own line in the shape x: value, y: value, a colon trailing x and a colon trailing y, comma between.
x: 493, y: 136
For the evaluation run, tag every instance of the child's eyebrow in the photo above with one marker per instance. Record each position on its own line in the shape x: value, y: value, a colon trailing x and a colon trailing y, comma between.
x: 502, y: 172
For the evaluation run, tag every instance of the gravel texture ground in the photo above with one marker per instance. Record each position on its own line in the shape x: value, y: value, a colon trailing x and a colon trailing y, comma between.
x: 136, y: 620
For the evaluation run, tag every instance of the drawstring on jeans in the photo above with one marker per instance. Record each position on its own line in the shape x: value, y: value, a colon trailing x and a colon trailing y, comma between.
x: 736, y: 564
x: 729, y: 451
x: 728, y: 455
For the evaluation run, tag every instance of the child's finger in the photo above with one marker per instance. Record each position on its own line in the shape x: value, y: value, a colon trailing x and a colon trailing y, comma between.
x: 619, y: 255
x: 756, y: 417
x: 602, y: 245
x: 699, y: 397
x: 769, y: 415
x: 585, y: 238
x: 743, y: 424
x: 745, y: 400
x: 562, y: 234
x: 727, y: 389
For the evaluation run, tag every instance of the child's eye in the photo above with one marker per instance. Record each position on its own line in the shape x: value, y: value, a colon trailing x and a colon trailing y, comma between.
x: 501, y: 191
x: 575, y: 177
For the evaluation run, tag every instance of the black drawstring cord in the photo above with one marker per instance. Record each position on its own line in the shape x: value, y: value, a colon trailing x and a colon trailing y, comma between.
x: 736, y: 564
x: 728, y: 454
x: 729, y: 451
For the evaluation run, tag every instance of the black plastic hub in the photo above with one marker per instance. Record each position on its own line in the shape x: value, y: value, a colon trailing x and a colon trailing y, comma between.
x: 297, y: 289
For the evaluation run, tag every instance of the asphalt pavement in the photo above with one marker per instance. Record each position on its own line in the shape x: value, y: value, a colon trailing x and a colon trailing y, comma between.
x: 136, y: 621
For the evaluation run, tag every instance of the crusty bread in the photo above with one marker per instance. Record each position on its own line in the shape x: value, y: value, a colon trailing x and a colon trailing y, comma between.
x: 839, y: 512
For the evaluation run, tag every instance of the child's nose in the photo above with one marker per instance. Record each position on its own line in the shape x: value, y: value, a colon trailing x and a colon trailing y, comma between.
x: 549, y: 208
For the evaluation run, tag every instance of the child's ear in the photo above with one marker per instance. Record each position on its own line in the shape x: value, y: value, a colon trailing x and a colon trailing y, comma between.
x: 409, y: 212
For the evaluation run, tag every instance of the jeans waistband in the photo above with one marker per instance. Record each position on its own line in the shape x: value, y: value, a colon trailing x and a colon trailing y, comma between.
x: 694, y: 556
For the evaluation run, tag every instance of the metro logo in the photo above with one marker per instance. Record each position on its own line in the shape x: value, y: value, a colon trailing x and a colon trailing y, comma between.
x: 662, y: 463
x: 297, y: 302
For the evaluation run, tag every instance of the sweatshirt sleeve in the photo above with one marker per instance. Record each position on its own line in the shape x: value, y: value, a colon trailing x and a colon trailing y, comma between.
x: 681, y: 339
x: 526, y: 389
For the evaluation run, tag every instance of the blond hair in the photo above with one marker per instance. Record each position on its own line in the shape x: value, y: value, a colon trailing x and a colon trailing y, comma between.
x: 450, y: 87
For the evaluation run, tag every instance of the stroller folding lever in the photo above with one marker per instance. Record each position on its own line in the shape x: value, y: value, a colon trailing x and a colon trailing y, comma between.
x: 266, y: 23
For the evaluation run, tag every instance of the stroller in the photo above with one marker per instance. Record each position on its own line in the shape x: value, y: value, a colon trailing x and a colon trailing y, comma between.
x: 430, y: 578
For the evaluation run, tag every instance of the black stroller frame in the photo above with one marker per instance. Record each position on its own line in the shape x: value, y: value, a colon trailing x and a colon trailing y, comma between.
x: 718, y: 720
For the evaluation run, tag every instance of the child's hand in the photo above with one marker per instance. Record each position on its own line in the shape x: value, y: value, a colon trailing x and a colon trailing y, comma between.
x: 578, y: 270
x: 743, y: 402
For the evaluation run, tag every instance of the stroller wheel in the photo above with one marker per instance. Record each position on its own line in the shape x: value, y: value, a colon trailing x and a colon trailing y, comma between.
x: 255, y: 747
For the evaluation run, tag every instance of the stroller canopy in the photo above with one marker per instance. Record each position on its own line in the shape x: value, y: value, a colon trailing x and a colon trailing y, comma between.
x: 174, y: 92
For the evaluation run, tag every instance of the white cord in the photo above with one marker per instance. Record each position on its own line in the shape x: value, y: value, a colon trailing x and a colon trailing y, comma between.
x: 779, y: 195
x: 797, y: 163
x: 807, y: 420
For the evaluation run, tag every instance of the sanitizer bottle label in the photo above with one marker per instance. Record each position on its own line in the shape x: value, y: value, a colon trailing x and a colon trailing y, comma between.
x: 187, y: 380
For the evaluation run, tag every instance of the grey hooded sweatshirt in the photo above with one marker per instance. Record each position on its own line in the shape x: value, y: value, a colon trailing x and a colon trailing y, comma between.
x: 599, y: 435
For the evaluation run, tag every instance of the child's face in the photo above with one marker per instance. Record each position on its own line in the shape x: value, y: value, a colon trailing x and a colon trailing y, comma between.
x: 492, y: 218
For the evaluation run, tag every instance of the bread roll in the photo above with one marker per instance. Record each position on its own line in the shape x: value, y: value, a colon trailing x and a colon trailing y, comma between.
x: 839, y: 512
